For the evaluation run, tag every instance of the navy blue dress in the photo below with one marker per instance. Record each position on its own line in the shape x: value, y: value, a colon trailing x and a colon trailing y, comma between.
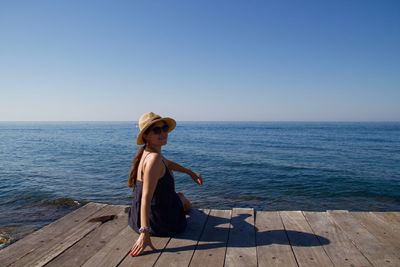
x: 167, y: 216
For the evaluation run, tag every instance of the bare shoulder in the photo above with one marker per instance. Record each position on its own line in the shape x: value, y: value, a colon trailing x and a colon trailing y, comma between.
x: 153, y: 162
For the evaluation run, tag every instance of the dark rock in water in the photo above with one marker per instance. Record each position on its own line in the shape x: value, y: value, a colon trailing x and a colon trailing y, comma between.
x: 64, y: 201
x: 4, y: 240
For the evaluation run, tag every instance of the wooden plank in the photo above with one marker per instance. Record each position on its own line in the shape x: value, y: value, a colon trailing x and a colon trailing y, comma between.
x: 93, y: 242
x: 30, y: 243
x: 211, y: 248
x: 179, y: 250
x: 54, y: 247
x: 381, y: 230
x: 241, y: 250
x: 114, y: 251
x: 340, y: 249
x: 372, y: 248
x: 149, y: 256
x: 391, y: 218
x: 306, y: 246
x: 273, y: 248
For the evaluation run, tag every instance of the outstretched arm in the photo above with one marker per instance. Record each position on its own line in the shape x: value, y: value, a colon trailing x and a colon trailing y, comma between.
x: 179, y: 168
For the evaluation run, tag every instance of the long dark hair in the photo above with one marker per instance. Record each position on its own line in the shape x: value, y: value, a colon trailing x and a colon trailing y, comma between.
x: 135, y: 165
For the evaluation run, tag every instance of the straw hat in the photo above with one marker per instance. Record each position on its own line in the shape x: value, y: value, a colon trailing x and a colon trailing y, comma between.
x: 148, y: 119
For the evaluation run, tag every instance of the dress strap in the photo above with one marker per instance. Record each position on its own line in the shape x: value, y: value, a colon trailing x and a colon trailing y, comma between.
x: 166, y: 167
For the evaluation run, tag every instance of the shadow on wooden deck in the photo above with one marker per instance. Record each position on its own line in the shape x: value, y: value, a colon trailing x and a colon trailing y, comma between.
x: 221, y: 237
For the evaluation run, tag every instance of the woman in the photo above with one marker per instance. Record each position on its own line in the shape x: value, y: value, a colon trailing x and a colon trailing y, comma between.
x: 156, y: 208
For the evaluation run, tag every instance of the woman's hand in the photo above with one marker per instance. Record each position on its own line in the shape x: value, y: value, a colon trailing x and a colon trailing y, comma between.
x: 141, y: 243
x: 197, y: 178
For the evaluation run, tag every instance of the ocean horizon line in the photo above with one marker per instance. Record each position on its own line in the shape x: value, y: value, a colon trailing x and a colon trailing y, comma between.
x: 205, y: 121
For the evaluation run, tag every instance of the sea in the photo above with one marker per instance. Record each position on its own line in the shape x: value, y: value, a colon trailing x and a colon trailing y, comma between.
x: 48, y: 169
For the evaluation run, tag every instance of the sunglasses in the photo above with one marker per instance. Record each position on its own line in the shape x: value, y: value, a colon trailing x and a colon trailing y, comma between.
x: 159, y: 129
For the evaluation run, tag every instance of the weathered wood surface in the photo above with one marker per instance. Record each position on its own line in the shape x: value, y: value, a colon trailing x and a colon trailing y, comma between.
x: 378, y: 253
x: 340, y: 249
x: 237, y: 237
x: 211, y: 248
x: 241, y: 249
x: 306, y: 246
x: 273, y: 247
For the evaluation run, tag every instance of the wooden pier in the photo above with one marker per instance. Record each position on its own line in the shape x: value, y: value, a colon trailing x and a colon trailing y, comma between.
x: 237, y: 237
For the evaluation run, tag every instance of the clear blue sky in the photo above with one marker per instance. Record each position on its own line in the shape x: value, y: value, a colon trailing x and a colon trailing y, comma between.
x: 200, y: 60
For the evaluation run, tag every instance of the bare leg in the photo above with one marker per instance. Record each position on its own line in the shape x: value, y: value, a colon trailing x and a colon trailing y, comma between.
x: 187, y: 205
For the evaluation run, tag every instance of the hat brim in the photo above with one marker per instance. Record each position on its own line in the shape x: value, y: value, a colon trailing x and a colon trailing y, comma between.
x: 171, y: 123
